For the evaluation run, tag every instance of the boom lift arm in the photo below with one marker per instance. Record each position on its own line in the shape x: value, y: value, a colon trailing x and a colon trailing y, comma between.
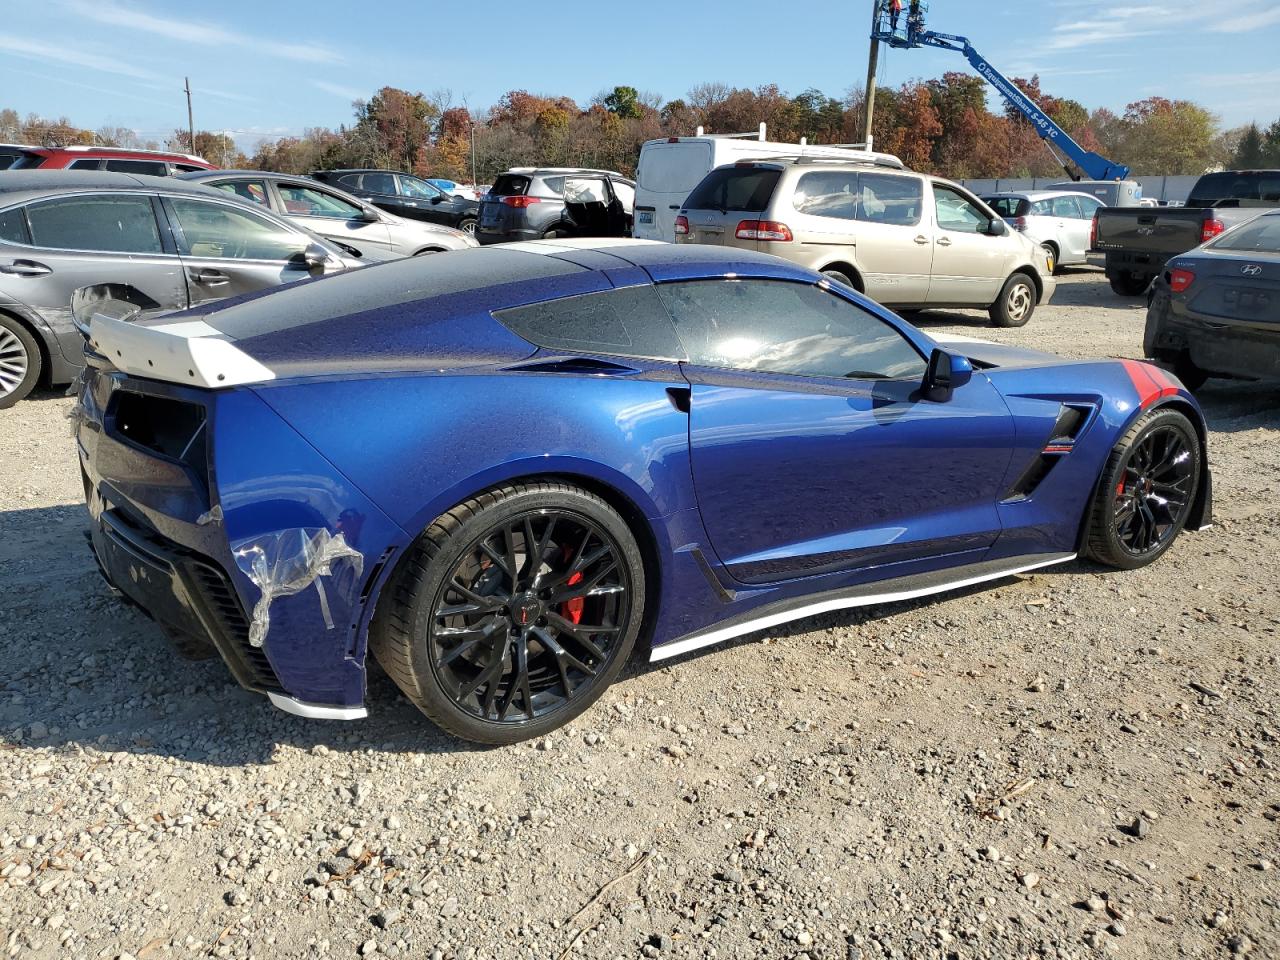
x: 1075, y: 159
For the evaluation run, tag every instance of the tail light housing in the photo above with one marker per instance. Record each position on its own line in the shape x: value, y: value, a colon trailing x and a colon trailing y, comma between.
x: 1018, y: 223
x: 520, y: 202
x: 1212, y: 227
x: 1093, y: 231
x: 682, y: 226
x: 1180, y: 280
x: 764, y: 230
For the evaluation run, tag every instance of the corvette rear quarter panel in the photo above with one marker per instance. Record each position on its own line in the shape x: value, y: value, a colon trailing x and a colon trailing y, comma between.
x: 416, y: 446
x: 268, y: 479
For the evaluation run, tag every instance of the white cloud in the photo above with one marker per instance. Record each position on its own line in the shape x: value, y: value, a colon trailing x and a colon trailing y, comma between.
x: 347, y: 93
x: 201, y: 33
x: 1248, y: 16
x: 65, y: 53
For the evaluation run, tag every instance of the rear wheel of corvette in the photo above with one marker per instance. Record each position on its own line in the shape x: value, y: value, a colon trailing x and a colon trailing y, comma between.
x: 1016, y: 303
x: 513, y: 612
x: 1146, y: 491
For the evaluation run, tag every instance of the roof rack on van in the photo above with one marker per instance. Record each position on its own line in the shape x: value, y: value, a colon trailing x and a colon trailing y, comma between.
x: 876, y: 159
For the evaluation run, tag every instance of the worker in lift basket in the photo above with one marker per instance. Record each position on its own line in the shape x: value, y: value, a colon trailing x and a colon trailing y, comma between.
x: 895, y: 11
x: 915, y: 22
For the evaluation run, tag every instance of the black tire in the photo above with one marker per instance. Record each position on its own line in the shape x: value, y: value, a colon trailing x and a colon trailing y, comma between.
x: 839, y: 276
x: 468, y: 225
x: 1192, y: 377
x: 1051, y: 252
x: 1142, y: 502
x: 1016, y: 303
x: 510, y: 621
x: 1127, y: 285
x: 552, y: 234
x: 20, y: 362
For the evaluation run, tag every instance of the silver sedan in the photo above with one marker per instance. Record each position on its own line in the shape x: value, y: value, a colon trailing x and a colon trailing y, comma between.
x: 332, y: 213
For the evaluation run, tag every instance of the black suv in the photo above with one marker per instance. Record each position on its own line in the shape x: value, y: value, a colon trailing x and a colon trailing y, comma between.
x: 535, y: 203
x: 405, y: 196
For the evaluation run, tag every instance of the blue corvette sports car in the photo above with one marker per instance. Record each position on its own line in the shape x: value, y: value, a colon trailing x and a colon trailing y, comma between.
x: 498, y: 470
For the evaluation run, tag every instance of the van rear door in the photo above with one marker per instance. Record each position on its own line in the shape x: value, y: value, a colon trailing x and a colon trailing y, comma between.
x: 667, y: 172
x: 727, y: 198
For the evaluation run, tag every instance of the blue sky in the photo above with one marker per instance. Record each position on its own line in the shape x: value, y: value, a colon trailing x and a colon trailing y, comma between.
x: 262, y: 69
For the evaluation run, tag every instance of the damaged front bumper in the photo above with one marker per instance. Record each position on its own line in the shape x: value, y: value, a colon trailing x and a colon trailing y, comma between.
x: 237, y: 538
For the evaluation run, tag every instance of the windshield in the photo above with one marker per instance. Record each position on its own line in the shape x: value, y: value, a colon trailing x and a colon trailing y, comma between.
x: 740, y: 189
x: 1259, y: 188
x: 1260, y: 236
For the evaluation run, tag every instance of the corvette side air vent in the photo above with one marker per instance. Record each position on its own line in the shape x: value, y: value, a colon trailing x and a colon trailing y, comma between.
x: 1032, y: 477
x: 1071, y: 420
x: 585, y: 366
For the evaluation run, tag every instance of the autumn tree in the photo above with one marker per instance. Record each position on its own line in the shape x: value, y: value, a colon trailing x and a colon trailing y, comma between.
x: 1167, y: 136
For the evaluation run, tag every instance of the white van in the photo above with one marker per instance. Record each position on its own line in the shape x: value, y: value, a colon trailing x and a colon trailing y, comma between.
x: 670, y: 168
x: 1114, y: 193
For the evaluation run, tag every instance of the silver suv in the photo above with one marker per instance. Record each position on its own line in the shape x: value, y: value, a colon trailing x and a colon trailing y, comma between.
x: 905, y: 239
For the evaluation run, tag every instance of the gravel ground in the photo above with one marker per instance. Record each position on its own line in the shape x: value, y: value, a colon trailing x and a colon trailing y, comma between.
x: 1062, y: 765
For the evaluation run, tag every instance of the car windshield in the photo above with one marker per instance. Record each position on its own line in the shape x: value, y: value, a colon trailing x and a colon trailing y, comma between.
x: 1259, y: 188
x: 740, y: 189
x: 1259, y: 236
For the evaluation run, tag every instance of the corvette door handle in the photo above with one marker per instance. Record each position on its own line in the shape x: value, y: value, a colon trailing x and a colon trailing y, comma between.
x: 922, y: 239
x: 210, y: 278
x: 25, y: 268
x: 944, y: 242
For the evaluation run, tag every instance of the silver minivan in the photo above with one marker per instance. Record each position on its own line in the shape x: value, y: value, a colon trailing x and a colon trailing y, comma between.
x: 1057, y: 220
x: 905, y: 239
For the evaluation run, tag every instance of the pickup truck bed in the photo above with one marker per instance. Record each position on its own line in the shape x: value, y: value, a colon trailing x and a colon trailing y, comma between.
x: 1138, y: 241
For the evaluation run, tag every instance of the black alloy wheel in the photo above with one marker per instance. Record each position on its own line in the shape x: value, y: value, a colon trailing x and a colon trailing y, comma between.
x: 513, y: 612
x: 1146, y: 491
x: 1154, y: 492
x: 530, y: 613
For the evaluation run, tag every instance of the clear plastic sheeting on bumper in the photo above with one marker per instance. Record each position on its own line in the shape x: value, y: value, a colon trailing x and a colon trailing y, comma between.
x: 286, y: 562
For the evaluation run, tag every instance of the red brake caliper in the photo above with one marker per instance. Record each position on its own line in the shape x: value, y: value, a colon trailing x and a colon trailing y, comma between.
x: 571, y: 610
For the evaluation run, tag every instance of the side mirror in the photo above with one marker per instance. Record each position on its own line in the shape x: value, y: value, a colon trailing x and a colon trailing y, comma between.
x: 436, y: 198
x: 997, y: 228
x: 369, y: 215
x: 316, y: 259
x: 947, y: 373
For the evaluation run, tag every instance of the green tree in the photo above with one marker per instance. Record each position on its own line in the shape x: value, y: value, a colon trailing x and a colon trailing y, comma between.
x: 1251, y: 151
x: 623, y: 102
x: 1164, y: 136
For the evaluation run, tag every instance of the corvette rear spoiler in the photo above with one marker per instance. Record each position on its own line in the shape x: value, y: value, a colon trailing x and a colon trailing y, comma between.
x: 189, y: 352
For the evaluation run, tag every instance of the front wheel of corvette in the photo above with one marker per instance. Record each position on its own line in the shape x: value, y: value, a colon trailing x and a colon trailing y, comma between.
x: 1146, y: 491
x: 513, y: 612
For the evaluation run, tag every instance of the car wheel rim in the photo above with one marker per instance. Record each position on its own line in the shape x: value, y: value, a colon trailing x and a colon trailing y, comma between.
x: 14, y: 362
x: 469, y: 227
x: 532, y: 613
x: 1153, y: 494
x: 1019, y: 301
x: 1049, y: 258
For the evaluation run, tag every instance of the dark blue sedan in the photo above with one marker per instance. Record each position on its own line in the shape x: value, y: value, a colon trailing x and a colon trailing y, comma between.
x: 501, y: 469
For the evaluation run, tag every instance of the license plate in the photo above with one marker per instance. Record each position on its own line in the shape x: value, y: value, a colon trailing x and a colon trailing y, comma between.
x: 646, y: 216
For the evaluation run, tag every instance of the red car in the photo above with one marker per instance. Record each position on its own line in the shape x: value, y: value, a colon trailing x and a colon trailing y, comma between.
x: 155, y: 163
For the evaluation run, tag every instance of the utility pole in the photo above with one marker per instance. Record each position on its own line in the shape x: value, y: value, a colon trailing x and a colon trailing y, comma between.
x: 873, y: 63
x: 191, y: 124
x: 474, y: 181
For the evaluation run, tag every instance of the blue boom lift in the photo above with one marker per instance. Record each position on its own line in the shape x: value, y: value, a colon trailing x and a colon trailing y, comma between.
x: 906, y: 31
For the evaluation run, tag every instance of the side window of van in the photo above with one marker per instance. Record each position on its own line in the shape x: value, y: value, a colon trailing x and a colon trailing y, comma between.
x: 884, y: 198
